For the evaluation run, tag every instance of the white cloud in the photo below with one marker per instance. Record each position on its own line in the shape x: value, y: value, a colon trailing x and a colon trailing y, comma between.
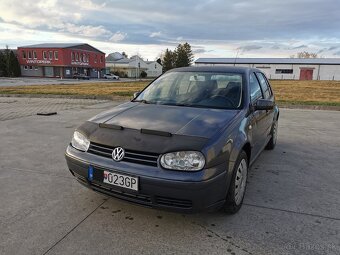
x: 118, y: 37
x: 156, y: 34
x: 88, y: 31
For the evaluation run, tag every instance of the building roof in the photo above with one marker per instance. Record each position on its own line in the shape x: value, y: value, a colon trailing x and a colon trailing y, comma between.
x: 217, y: 69
x: 61, y: 46
x: 114, y: 56
x: 123, y: 61
x: 309, y: 61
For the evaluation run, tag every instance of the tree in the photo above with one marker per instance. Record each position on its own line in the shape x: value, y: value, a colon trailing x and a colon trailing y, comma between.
x: 187, y: 49
x: 9, y: 64
x: 6, y: 58
x: 168, y: 60
x: 14, y: 66
x: 2, y: 64
x: 305, y: 54
x: 182, y: 56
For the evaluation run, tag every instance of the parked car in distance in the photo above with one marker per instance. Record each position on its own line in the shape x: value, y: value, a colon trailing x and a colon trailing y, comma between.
x: 80, y: 76
x: 111, y: 76
x: 185, y: 143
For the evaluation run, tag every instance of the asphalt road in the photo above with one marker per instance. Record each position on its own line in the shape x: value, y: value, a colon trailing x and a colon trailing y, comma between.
x: 26, y: 81
x: 292, y: 203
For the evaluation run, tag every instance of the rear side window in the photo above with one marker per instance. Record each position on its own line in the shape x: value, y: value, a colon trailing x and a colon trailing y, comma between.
x: 264, y: 85
x: 255, y: 89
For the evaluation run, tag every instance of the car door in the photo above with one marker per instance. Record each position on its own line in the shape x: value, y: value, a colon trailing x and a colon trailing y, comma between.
x: 257, y: 117
x: 267, y: 94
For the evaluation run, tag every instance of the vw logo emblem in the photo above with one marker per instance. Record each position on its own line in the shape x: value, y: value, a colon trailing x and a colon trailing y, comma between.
x: 118, y: 154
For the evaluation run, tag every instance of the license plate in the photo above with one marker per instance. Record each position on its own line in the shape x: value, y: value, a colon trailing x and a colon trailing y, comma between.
x: 121, y: 180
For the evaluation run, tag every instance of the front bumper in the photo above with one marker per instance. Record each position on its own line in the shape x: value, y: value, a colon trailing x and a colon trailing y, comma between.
x: 176, y: 191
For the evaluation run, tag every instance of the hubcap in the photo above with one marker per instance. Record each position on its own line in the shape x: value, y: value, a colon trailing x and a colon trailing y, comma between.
x: 240, y: 181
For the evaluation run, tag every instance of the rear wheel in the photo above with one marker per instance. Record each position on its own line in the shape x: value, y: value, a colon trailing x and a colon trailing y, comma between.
x: 272, y: 142
x: 238, y: 185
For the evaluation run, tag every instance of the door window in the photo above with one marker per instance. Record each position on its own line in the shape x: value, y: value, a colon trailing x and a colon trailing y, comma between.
x: 264, y: 85
x: 255, y: 89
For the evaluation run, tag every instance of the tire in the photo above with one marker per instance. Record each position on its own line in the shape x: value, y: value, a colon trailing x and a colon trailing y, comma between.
x: 272, y: 142
x: 237, y: 186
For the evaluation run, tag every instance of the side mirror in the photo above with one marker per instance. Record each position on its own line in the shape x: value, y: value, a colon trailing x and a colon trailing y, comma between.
x: 264, y: 104
x: 136, y: 94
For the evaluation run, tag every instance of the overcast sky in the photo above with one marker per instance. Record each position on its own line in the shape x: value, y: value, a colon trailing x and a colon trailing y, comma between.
x: 214, y: 28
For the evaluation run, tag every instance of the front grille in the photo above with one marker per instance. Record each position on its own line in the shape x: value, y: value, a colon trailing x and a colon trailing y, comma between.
x: 173, y: 202
x: 137, y: 157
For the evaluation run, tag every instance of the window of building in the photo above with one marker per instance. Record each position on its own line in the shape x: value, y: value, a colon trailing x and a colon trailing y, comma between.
x: 101, y: 59
x: 29, y: 54
x: 25, y: 67
x: 50, y: 55
x: 34, y: 54
x: 31, y: 67
x: 36, y: 68
x: 23, y: 54
x: 283, y: 71
x: 77, y: 57
x: 84, y: 57
x: 72, y: 56
x: 95, y: 58
x: 56, y: 55
x: 44, y: 55
x: 255, y: 89
x: 88, y: 58
x: 264, y: 85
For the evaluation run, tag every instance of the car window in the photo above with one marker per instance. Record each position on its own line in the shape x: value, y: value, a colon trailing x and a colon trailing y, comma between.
x: 264, y: 85
x: 196, y: 89
x: 255, y: 89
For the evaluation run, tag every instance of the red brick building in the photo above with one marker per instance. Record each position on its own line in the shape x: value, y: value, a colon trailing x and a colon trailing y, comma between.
x: 61, y: 60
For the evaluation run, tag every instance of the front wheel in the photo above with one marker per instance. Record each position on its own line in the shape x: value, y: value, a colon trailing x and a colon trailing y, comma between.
x: 238, y: 185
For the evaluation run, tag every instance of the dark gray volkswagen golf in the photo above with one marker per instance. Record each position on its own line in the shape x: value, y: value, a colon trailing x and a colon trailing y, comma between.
x: 184, y: 143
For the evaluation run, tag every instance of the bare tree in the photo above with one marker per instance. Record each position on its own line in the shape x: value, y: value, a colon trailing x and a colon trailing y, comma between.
x: 305, y: 54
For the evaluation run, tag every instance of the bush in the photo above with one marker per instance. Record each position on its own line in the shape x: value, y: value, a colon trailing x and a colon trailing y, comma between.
x: 143, y: 74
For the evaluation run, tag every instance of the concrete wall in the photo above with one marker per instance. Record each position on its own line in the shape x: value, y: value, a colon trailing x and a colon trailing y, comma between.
x: 320, y: 72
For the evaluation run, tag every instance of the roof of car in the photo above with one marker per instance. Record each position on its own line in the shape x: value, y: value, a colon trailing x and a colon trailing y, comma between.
x: 218, y: 69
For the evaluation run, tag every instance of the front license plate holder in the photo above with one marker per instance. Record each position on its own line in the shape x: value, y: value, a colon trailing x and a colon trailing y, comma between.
x: 120, y: 180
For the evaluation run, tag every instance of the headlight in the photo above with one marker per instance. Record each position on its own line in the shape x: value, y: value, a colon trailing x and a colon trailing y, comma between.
x: 80, y: 142
x: 183, y: 160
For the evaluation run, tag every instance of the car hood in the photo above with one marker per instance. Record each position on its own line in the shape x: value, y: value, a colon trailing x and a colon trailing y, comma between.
x: 176, y: 120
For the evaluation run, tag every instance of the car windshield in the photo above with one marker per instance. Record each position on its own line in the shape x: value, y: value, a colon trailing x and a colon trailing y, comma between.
x: 195, y: 89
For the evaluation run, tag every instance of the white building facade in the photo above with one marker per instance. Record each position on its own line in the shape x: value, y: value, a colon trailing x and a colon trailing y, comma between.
x: 133, y: 67
x: 284, y: 68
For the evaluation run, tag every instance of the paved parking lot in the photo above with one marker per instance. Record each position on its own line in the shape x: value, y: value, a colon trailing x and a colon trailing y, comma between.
x: 292, y: 204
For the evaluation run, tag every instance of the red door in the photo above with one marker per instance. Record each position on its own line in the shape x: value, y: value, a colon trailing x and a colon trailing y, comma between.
x: 306, y: 74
